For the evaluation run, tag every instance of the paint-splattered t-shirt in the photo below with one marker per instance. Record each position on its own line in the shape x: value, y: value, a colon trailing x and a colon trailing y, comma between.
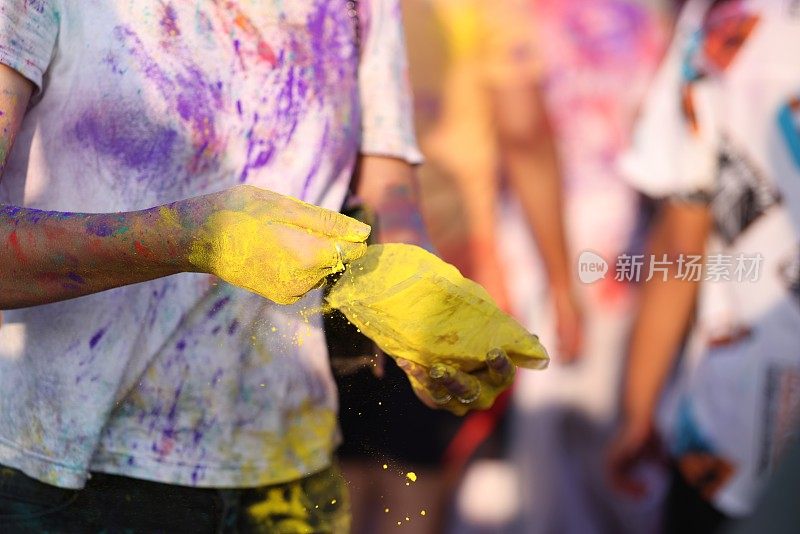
x: 721, y: 126
x: 185, y: 380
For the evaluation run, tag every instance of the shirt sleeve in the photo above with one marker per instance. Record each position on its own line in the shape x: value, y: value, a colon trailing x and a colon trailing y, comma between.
x: 28, y: 30
x: 387, y: 116
x: 674, y: 148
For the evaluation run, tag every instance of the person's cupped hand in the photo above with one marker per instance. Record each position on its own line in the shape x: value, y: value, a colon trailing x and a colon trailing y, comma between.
x: 443, y: 386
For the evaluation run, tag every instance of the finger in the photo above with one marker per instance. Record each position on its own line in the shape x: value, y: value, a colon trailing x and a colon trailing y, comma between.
x: 463, y: 386
x: 347, y: 252
x: 289, y: 210
x: 328, y: 222
x: 569, y: 344
x: 625, y: 482
x: 622, y: 463
x: 435, y: 394
x: 337, y: 225
x: 417, y: 372
x: 501, y: 368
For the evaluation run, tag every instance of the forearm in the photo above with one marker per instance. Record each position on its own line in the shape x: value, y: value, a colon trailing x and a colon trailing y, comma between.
x: 665, y: 312
x: 52, y: 256
x: 534, y: 175
x: 388, y: 187
x: 529, y: 156
x: 657, y: 337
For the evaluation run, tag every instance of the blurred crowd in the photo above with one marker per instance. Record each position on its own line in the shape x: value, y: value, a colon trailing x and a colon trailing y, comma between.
x: 623, y: 177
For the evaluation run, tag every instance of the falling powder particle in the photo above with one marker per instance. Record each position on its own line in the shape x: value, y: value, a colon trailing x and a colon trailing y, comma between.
x: 385, y: 466
x: 399, y: 523
x: 386, y: 510
x: 412, y: 476
x: 408, y: 518
x: 333, y: 501
x: 422, y: 512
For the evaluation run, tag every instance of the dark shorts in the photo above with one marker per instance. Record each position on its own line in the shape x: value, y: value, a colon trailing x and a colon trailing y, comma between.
x: 112, y: 504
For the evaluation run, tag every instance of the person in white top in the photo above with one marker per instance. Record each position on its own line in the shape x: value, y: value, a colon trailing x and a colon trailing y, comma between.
x: 719, y: 144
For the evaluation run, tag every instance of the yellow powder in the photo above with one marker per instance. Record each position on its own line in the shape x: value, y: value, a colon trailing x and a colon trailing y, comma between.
x: 412, y: 476
x: 272, y: 259
x: 416, y: 306
x: 169, y: 217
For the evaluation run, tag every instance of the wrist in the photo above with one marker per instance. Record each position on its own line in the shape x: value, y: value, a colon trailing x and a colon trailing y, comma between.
x: 638, y: 421
x: 176, y: 227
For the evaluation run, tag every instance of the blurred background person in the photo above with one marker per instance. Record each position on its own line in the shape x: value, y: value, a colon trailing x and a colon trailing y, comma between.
x: 531, y: 98
x: 522, y: 109
x: 597, y: 60
x: 719, y: 145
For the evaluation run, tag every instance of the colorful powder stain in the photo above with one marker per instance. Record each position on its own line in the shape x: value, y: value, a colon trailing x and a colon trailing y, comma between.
x: 95, y: 339
x: 130, y: 139
x: 13, y: 241
x: 169, y: 21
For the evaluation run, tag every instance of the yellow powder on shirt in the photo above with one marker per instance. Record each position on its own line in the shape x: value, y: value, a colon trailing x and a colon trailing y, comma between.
x: 417, y: 307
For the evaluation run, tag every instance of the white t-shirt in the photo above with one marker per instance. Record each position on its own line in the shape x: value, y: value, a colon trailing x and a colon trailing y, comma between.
x: 185, y: 380
x: 723, y: 123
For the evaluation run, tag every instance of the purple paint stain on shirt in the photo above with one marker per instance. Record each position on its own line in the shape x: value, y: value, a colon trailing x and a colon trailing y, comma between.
x: 217, y: 306
x: 195, y: 99
x: 216, y: 377
x: 96, y: 338
x: 317, y: 163
x: 181, y: 344
x: 36, y: 5
x: 233, y: 327
x: 169, y: 21
x: 131, y: 140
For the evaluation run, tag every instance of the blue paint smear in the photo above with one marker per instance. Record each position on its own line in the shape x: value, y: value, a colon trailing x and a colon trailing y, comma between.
x: 218, y: 305
x: 96, y: 338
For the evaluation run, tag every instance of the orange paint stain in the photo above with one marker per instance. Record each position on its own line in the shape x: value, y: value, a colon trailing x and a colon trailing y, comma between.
x: 13, y: 242
x: 143, y: 250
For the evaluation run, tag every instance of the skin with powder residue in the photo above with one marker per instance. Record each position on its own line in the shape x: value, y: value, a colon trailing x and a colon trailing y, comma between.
x: 280, y: 254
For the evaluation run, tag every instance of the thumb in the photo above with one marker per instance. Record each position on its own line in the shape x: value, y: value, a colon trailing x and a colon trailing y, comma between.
x: 350, y: 251
x: 332, y: 224
x: 345, y: 227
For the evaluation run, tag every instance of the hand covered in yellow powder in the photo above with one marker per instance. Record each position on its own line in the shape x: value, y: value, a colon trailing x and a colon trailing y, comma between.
x: 458, y: 348
x: 274, y: 245
x: 444, y: 386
